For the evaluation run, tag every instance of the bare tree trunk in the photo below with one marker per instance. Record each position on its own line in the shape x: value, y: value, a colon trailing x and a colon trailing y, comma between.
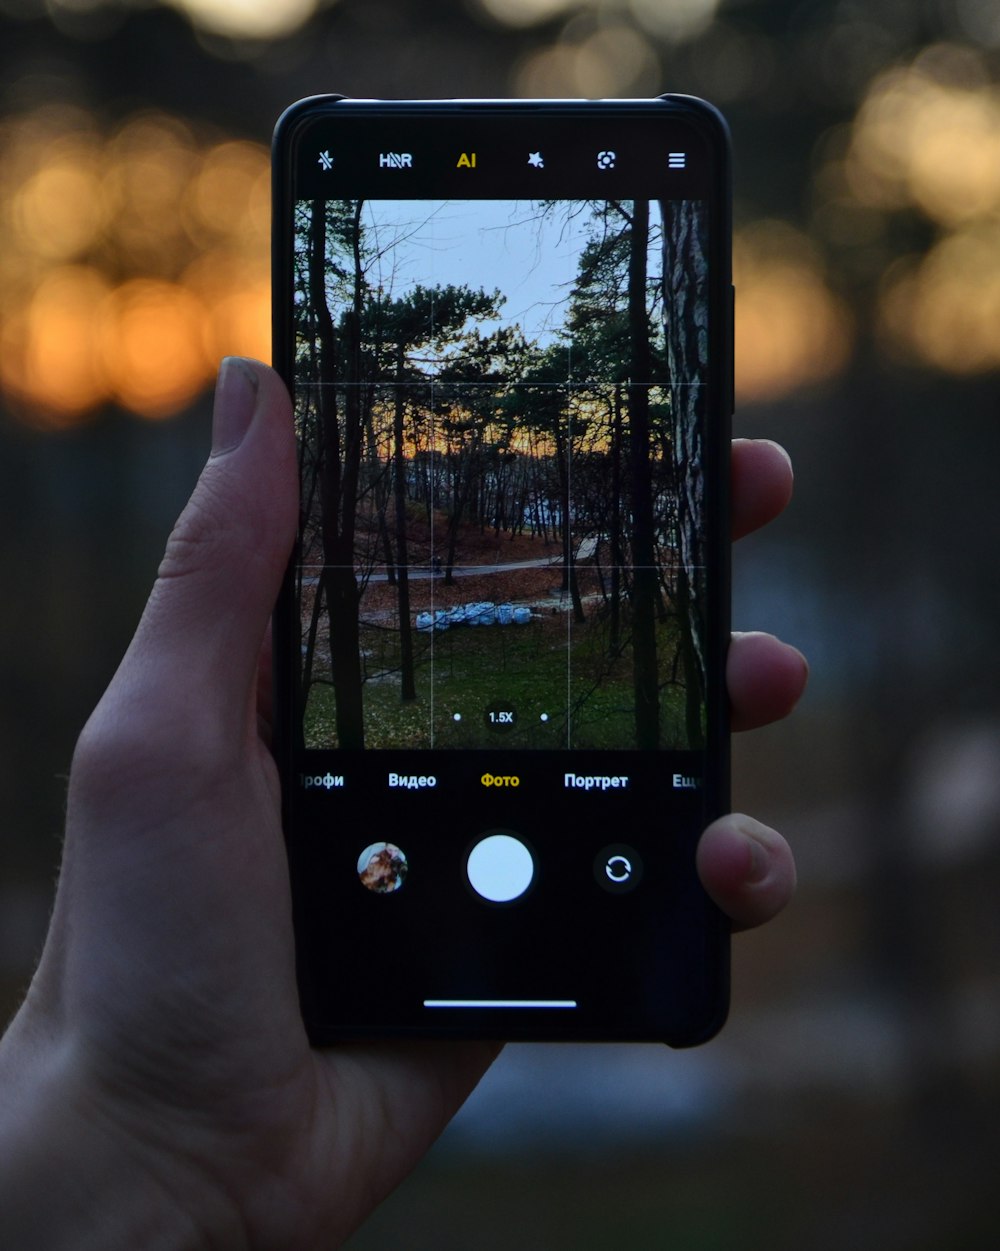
x: 380, y: 493
x: 685, y: 314
x: 644, y: 586
x: 615, y: 535
x: 309, y: 461
x: 459, y: 490
x: 407, y: 687
x: 339, y: 469
x: 310, y: 646
x: 570, y: 581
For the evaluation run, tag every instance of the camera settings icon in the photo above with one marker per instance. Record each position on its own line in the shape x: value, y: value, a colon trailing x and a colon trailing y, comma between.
x: 606, y: 160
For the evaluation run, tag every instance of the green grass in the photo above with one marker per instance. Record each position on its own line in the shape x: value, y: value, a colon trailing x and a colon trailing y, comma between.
x: 521, y: 666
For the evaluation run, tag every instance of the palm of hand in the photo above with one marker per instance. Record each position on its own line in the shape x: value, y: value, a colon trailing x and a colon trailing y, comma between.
x: 172, y: 950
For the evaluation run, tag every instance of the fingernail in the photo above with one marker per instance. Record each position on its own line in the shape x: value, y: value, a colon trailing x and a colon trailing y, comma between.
x: 778, y: 448
x: 759, y: 861
x: 235, y: 400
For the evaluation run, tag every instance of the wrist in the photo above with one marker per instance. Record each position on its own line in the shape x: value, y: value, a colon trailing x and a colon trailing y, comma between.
x: 71, y: 1176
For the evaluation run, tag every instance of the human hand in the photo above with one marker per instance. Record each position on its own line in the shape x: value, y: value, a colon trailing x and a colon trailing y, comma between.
x: 745, y: 866
x: 158, y: 1089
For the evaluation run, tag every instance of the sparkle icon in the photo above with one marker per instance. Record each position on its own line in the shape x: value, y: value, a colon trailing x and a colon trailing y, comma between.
x: 535, y: 159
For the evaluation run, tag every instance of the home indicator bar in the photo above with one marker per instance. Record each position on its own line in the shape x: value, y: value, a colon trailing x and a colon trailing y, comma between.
x: 500, y: 1003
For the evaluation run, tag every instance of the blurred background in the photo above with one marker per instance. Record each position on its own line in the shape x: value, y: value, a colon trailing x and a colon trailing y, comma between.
x: 852, y: 1099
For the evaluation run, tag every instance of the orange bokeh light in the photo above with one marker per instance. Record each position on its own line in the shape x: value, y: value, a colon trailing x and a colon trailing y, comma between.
x: 58, y: 211
x: 945, y: 308
x: 49, y: 349
x: 152, y: 346
x: 790, y: 328
x: 932, y: 145
x: 138, y: 258
x: 927, y: 138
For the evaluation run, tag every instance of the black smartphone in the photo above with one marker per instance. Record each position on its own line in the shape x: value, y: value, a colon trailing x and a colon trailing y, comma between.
x: 500, y: 716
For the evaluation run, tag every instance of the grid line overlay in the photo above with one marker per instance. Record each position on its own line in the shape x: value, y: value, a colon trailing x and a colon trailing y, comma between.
x: 438, y: 378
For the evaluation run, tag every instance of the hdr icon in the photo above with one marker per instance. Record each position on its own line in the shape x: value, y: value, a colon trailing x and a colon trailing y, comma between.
x: 395, y: 160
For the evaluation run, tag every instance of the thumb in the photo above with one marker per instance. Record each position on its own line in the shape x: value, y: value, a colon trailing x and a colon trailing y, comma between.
x: 200, y: 636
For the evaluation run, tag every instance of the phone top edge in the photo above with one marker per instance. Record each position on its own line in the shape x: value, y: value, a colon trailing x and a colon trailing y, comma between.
x: 679, y: 114
x: 289, y: 116
x: 699, y: 110
x: 501, y: 101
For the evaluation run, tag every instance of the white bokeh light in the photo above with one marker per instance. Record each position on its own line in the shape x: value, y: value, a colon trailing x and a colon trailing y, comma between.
x: 248, y: 19
x: 525, y: 12
x: 676, y: 20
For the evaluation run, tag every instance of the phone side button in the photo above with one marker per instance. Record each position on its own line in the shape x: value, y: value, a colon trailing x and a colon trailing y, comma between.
x: 732, y: 349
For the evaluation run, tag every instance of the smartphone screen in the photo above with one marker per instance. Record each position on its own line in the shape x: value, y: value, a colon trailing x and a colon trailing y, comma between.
x: 500, y: 710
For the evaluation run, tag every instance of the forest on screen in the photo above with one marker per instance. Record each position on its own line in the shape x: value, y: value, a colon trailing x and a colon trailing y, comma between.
x: 501, y: 467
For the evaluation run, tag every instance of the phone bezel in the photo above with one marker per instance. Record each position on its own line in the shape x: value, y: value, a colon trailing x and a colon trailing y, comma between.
x: 293, y: 124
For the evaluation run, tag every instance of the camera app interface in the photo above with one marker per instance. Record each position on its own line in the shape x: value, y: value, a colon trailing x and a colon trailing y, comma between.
x: 502, y: 630
x: 500, y: 406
